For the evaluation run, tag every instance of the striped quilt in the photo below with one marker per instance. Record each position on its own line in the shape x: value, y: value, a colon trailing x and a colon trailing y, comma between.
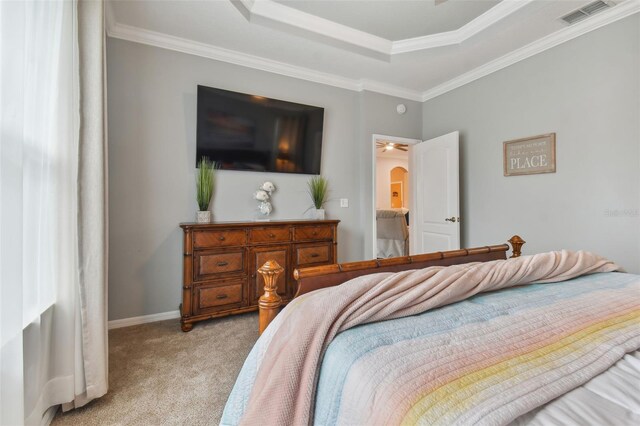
x: 486, y: 359
x: 459, y: 364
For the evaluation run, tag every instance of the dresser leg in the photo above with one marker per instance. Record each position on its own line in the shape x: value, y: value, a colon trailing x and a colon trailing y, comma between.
x: 186, y: 326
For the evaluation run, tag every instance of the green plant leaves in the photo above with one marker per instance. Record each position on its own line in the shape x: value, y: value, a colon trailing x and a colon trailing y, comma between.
x: 205, y: 182
x: 318, y: 188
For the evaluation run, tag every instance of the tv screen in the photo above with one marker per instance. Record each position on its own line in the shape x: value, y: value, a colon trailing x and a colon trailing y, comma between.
x: 248, y: 132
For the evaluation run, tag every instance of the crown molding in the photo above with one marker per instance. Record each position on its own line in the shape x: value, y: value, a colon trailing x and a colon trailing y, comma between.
x: 481, y: 23
x: 178, y: 44
x: 389, y: 89
x: 620, y: 11
x: 272, y: 13
x: 491, y: 16
x: 164, y: 41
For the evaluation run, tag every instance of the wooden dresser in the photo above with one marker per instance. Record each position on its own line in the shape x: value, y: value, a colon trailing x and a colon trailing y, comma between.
x: 221, y: 260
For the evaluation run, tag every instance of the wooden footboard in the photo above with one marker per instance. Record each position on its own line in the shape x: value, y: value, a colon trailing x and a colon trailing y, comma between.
x: 315, y: 278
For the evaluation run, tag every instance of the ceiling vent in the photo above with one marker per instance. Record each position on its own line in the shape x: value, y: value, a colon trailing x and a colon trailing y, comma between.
x: 586, y: 11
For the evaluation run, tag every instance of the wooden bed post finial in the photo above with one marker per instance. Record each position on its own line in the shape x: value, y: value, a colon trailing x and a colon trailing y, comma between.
x: 269, y: 303
x: 516, y: 243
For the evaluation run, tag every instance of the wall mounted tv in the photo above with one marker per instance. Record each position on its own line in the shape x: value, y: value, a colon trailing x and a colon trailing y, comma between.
x: 248, y: 132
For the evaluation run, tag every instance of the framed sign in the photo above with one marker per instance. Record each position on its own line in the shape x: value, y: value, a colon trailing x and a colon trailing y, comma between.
x: 528, y: 156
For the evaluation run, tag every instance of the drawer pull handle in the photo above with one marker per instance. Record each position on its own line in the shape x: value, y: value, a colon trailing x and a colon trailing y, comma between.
x: 223, y: 263
x: 221, y: 238
x: 272, y: 235
x: 314, y: 233
x: 221, y: 296
x: 315, y: 255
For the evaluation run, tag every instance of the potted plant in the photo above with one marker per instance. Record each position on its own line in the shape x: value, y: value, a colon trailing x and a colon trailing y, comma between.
x: 318, y: 190
x: 205, y: 183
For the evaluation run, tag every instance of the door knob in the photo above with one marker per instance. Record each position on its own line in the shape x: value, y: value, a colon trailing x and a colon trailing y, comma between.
x: 450, y: 219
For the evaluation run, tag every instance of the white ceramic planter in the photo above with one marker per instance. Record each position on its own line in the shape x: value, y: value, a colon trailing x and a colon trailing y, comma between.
x: 314, y: 214
x: 203, y: 217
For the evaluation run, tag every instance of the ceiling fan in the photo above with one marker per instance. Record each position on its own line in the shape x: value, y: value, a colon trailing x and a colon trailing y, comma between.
x: 388, y: 146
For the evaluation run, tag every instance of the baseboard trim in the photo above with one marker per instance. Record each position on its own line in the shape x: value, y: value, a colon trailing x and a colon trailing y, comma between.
x: 144, y: 319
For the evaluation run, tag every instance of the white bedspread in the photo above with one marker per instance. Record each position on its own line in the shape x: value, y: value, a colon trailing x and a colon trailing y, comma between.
x: 612, y: 398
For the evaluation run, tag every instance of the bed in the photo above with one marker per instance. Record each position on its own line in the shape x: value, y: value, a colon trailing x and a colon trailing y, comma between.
x: 392, y: 234
x: 409, y: 340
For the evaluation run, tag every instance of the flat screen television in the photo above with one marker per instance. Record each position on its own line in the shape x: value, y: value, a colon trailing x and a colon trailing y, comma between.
x: 248, y: 132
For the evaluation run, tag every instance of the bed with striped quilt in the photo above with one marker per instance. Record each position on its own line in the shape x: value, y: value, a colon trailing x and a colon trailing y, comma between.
x: 512, y: 337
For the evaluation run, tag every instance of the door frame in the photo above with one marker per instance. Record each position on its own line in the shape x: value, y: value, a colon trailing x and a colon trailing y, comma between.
x: 372, y: 207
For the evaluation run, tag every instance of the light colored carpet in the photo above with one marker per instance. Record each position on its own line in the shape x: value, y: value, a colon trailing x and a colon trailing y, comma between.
x: 159, y: 375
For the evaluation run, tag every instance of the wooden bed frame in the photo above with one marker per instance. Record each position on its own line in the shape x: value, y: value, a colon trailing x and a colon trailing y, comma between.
x: 315, y: 278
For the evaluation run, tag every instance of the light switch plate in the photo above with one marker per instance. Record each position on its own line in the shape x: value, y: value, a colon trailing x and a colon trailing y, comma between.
x: 344, y: 202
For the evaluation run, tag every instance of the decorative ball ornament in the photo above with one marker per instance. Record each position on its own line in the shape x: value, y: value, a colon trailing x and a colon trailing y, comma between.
x: 268, y: 186
x: 263, y: 195
x: 265, y: 208
x: 401, y: 108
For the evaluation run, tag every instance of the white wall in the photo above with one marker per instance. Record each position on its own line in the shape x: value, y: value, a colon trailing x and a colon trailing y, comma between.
x: 383, y: 179
x: 588, y: 92
x: 152, y: 127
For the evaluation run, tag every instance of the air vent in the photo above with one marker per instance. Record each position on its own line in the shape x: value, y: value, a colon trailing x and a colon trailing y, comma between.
x: 595, y: 7
x: 586, y: 11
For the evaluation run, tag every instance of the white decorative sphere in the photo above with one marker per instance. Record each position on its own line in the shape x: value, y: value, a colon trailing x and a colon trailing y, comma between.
x: 268, y: 186
x: 261, y: 195
x: 265, y: 208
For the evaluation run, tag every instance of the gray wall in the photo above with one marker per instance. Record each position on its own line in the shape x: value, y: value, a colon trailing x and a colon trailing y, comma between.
x: 375, y: 119
x: 588, y: 92
x: 152, y: 118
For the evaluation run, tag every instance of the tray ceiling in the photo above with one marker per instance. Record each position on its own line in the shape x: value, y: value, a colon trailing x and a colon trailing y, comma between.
x: 396, y: 20
x: 360, y: 52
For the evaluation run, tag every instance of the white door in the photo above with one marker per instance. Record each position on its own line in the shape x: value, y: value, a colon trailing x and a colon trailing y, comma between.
x: 435, y: 215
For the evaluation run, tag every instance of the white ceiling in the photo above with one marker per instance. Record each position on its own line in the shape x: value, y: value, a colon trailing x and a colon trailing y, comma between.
x: 396, y: 20
x: 394, y: 153
x: 357, y: 44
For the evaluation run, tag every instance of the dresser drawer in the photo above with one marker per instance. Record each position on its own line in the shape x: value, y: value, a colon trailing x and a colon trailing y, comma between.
x: 269, y: 235
x: 313, y: 232
x: 221, y: 260
x: 208, y: 263
x: 218, y: 297
x: 209, y: 239
x: 312, y: 255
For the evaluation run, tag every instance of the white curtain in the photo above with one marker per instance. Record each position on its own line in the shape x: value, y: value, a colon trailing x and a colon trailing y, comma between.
x: 92, y: 203
x: 48, y: 342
